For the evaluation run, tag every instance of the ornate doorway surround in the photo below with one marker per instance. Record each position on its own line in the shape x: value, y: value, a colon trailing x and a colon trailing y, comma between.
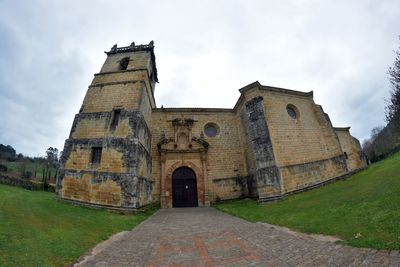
x: 183, y: 164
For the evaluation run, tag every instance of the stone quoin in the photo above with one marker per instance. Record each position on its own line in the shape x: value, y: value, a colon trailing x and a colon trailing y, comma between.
x: 123, y: 152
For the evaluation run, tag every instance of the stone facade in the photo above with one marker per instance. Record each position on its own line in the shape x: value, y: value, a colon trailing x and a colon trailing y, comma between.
x: 123, y: 152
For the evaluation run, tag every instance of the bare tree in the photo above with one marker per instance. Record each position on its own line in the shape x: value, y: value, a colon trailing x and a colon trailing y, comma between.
x: 51, y: 162
x: 375, y: 132
x: 393, y: 104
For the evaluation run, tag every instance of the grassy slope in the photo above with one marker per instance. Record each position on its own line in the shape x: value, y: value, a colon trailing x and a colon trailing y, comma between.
x: 37, y: 230
x: 367, y: 203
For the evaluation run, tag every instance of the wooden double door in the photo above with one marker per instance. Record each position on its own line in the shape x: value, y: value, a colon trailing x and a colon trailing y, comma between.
x: 184, y: 188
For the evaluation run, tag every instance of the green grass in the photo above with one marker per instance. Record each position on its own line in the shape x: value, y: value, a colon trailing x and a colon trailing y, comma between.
x: 38, y: 230
x: 367, y: 203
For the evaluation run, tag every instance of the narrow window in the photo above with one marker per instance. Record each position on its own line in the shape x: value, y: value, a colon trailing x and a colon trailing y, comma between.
x: 96, y: 155
x: 116, y: 115
x: 123, y: 64
x: 345, y: 155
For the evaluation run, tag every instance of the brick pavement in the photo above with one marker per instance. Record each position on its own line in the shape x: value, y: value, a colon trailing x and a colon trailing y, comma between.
x: 207, y: 237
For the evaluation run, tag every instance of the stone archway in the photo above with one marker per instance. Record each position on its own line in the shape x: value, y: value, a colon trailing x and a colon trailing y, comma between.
x: 167, y: 201
x: 184, y: 188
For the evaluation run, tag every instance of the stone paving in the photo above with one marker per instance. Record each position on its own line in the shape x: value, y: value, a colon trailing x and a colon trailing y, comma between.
x: 207, y: 237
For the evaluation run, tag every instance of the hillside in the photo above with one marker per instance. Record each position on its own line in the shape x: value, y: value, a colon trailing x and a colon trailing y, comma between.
x: 363, y: 210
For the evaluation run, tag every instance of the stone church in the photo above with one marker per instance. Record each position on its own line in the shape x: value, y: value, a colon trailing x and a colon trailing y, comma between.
x: 124, y: 152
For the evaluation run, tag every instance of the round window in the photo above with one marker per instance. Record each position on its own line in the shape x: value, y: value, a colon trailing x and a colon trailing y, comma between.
x: 291, y: 110
x: 211, y: 129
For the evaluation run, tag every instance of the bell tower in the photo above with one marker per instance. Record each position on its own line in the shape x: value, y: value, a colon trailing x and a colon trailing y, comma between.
x: 107, y: 158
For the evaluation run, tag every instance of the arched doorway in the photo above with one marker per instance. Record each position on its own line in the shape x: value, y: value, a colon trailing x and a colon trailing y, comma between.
x: 184, y: 188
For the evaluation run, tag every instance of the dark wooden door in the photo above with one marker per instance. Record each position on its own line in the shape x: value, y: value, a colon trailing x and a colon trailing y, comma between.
x: 184, y: 188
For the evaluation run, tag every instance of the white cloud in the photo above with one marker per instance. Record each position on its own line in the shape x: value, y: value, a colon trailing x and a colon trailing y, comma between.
x: 205, y: 52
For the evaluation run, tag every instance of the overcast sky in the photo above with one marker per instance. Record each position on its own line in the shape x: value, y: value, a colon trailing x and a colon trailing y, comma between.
x: 205, y: 52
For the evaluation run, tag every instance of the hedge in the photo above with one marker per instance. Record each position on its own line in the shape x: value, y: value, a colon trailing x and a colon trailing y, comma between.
x: 27, y: 184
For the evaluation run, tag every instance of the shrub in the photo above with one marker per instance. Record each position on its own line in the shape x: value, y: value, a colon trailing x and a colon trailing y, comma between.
x: 27, y: 184
x: 27, y: 175
x: 3, y: 168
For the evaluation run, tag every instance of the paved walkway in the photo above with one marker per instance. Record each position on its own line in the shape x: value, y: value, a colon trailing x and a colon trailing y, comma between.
x: 206, y: 237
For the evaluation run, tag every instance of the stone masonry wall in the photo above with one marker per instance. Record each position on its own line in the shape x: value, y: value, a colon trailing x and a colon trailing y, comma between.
x: 306, y: 148
x: 125, y: 151
x: 307, y: 138
x: 122, y: 178
x: 355, y: 159
x: 109, y: 189
x: 140, y: 68
x: 124, y: 162
x: 106, y: 98
x: 125, y: 77
x: 299, y: 176
x: 231, y: 187
x: 138, y: 60
x: 225, y: 154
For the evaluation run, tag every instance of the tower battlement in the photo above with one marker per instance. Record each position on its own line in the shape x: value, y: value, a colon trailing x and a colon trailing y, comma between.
x: 131, y: 48
x: 131, y: 52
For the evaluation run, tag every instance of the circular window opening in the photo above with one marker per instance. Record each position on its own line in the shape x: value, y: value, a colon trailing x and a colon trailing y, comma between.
x: 292, y: 111
x: 211, y: 129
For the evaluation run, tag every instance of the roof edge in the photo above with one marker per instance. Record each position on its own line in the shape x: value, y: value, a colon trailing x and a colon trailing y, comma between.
x: 274, y: 89
x: 183, y: 109
x: 249, y: 86
x: 342, y: 128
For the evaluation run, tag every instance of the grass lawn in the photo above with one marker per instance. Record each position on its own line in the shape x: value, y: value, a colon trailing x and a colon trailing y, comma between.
x: 37, y: 230
x: 363, y: 210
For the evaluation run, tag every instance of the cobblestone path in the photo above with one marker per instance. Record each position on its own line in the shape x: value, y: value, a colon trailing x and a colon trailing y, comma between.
x: 206, y: 237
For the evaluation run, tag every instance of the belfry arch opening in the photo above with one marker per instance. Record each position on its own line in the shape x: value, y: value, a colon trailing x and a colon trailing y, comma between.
x: 123, y: 64
x: 184, y: 188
